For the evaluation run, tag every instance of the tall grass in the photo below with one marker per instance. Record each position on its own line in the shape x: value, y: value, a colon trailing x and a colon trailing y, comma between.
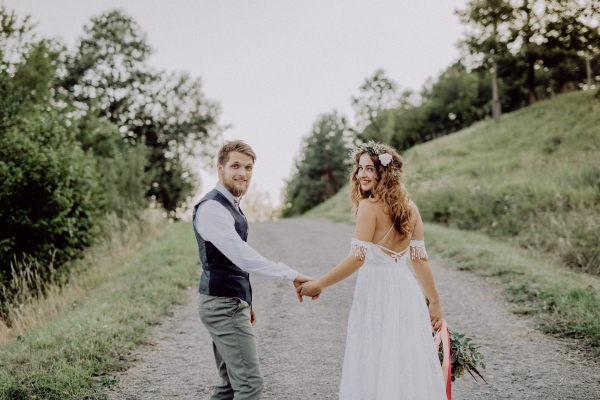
x: 33, y: 302
x: 75, y: 354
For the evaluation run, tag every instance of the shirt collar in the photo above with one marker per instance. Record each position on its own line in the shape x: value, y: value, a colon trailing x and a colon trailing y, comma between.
x: 225, y: 193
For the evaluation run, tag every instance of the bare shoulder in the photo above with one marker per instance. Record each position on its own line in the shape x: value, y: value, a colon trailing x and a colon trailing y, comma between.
x: 367, y: 203
x: 413, y: 205
x: 368, y: 206
x: 415, y: 216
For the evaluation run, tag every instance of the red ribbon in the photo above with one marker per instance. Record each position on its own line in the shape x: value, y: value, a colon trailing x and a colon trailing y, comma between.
x: 443, y: 336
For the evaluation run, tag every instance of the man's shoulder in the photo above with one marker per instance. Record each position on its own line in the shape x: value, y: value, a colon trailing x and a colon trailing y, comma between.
x: 210, y: 205
x: 210, y: 196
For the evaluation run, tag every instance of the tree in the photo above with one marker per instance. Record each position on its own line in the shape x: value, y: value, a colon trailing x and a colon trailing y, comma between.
x: 572, y: 33
x: 108, y: 75
x: 527, y: 32
x: 456, y: 100
x: 179, y: 126
x: 378, y: 93
x: 322, y: 168
x: 108, y: 70
x: 489, y: 18
x: 27, y: 67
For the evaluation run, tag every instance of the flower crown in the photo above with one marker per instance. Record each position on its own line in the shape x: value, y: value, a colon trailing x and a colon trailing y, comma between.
x: 376, y: 149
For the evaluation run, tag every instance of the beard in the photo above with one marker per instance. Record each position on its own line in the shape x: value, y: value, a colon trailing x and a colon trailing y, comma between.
x: 234, y: 189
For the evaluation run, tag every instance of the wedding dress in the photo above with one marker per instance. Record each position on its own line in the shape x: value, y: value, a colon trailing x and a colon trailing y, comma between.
x: 390, y: 353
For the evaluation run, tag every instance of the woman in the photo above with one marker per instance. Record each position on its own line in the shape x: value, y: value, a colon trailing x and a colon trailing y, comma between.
x: 390, y: 353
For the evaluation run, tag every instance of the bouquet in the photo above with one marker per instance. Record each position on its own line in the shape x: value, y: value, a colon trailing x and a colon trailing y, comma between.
x: 464, y: 356
x: 457, y: 354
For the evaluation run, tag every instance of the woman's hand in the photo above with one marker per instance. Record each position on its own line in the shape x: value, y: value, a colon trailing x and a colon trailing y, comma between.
x: 435, y: 314
x: 311, y: 289
x: 252, y: 316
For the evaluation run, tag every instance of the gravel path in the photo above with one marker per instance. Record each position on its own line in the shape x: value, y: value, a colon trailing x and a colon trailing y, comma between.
x: 301, y: 346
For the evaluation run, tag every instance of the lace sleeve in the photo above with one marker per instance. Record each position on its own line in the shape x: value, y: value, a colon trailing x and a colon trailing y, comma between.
x: 417, y: 250
x: 358, y: 248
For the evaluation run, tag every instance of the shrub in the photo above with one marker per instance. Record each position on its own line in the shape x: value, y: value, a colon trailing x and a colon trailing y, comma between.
x: 49, y: 196
x: 121, y: 166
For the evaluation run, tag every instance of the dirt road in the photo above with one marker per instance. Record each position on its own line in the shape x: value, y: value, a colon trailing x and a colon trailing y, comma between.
x: 301, y: 346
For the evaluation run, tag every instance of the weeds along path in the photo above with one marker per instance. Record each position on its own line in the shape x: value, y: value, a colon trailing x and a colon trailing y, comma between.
x: 301, y: 346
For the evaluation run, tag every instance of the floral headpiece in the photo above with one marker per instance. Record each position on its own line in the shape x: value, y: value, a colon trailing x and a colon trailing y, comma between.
x: 376, y: 149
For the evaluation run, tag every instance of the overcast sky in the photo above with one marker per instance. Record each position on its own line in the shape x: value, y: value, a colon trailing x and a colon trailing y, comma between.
x: 275, y: 65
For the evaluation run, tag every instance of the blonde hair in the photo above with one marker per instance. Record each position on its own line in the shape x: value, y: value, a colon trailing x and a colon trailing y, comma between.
x: 234, y: 145
x: 388, y: 188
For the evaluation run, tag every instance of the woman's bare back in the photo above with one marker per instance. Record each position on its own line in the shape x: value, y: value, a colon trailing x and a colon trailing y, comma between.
x: 394, y: 241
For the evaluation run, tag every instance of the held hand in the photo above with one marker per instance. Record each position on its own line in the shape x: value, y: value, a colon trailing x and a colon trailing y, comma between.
x: 435, y: 314
x: 311, y: 289
x: 252, y: 317
x: 300, y: 279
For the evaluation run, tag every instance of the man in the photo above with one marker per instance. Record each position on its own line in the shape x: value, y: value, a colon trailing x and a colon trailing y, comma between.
x: 225, y: 299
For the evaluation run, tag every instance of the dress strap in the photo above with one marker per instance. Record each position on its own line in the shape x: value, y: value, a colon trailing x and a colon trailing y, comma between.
x: 386, y: 235
x: 392, y: 251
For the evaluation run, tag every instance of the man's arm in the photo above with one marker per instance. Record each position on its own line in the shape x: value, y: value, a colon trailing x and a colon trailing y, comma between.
x: 216, y: 225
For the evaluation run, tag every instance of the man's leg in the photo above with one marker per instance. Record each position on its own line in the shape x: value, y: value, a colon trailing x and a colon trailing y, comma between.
x: 228, y: 321
x: 223, y: 390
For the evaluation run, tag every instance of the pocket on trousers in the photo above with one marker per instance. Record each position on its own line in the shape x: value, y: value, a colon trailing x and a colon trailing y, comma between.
x: 235, y: 305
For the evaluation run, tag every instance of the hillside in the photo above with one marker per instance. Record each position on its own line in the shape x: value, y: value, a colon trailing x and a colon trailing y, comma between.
x: 532, y: 180
x: 533, y: 177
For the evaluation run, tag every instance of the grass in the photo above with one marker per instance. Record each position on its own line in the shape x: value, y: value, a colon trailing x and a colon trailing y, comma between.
x: 563, y: 302
x: 338, y: 208
x: 75, y: 355
x: 518, y: 201
x: 33, y: 302
x: 533, y: 178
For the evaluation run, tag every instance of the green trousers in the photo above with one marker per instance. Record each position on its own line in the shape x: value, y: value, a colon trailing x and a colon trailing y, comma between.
x: 234, y: 345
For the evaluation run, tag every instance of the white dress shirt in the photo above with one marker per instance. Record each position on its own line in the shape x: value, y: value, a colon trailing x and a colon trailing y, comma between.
x: 216, y: 225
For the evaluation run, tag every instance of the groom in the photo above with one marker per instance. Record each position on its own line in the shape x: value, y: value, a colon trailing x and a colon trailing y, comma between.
x: 225, y: 300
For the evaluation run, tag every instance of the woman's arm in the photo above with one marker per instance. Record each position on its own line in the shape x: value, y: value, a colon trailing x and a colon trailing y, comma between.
x: 425, y: 276
x: 343, y: 270
x: 365, y: 229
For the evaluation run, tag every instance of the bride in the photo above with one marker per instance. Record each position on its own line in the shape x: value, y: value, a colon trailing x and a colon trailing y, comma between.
x: 390, y: 352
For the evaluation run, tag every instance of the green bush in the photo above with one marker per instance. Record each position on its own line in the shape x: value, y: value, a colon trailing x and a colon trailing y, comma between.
x: 124, y: 181
x: 49, y: 200
x: 121, y: 166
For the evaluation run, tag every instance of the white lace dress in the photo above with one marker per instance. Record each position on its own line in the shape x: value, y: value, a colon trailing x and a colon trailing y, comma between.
x: 390, y: 353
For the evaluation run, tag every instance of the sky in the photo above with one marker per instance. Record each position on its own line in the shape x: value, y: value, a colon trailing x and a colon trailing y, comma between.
x: 275, y: 65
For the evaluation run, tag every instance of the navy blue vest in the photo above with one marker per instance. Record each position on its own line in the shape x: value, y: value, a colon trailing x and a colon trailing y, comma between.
x: 221, y: 277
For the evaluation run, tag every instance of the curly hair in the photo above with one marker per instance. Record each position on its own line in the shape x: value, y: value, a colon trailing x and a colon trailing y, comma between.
x: 388, y: 188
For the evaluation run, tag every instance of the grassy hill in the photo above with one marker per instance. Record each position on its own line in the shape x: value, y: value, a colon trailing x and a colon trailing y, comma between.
x: 532, y: 180
x: 533, y: 177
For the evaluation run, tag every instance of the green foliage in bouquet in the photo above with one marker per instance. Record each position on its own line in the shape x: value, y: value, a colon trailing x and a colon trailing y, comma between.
x: 464, y: 356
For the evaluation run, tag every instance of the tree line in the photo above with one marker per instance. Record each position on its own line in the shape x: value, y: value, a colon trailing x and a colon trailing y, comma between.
x: 513, y: 54
x: 89, y: 131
